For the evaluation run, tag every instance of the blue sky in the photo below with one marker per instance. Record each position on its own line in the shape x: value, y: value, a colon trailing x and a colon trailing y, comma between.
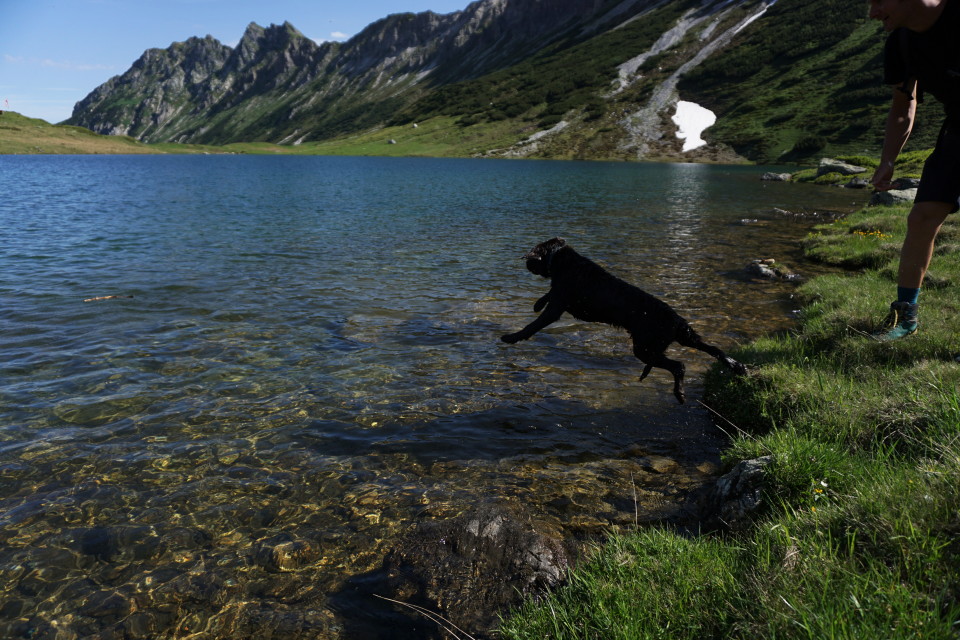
x: 54, y: 52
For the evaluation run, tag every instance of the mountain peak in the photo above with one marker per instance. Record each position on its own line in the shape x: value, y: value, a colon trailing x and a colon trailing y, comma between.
x: 257, y: 39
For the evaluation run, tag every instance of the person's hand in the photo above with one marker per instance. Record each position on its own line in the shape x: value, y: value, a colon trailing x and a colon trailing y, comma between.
x: 883, y: 176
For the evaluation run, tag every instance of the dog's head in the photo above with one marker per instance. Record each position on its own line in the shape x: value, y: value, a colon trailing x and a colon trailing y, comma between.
x: 540, y: 258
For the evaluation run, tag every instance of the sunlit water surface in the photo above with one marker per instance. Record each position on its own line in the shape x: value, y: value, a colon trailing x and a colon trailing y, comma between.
x: 309, y: 354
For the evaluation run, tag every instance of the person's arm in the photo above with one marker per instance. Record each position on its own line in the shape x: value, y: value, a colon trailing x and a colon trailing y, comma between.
x: 903, y: 109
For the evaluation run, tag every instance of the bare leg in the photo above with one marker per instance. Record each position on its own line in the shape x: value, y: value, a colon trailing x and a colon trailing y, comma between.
x: 923, y: 224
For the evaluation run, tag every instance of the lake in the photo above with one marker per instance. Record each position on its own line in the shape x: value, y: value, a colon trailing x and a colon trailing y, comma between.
x: 309, y: 347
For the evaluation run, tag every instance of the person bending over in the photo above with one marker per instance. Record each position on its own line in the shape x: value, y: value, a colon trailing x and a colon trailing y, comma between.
x: 921, y: 55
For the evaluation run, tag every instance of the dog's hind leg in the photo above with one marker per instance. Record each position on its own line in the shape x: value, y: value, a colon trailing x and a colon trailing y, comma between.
x: 690, y: 338
x: 653, y: 359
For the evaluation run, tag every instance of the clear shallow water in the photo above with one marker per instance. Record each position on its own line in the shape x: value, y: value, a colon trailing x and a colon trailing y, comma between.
x: 310, y: 357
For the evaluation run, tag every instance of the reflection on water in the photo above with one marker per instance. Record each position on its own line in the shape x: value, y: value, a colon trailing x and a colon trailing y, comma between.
x: 310, y: 363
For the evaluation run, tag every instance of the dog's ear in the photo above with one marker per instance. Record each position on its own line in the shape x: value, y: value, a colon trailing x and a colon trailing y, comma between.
x: 552, y: 245
x: 544, y: 249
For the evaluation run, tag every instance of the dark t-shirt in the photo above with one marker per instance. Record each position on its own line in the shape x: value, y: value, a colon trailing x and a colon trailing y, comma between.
x: 932, y: 57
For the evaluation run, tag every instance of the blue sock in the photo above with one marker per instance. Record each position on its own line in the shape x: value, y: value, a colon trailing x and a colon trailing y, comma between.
x: 908, y: 294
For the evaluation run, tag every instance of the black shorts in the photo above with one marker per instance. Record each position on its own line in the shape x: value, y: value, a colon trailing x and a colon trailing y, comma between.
x: 940, y: 181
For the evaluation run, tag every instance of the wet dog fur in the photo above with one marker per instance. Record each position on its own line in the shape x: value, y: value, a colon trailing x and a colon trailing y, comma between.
x: 588, y: 292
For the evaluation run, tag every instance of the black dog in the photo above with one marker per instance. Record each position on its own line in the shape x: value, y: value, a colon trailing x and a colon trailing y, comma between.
x: 586, y: 291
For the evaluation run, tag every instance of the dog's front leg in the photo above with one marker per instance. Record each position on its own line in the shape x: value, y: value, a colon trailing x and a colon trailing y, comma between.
x: 542, y: 301
x: 550, y: 315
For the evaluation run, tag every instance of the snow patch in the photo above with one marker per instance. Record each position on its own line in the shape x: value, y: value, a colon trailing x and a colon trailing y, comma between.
x: 691, y: 120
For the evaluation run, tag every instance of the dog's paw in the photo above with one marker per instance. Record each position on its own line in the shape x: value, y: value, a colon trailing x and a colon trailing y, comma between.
x: 511, y: 338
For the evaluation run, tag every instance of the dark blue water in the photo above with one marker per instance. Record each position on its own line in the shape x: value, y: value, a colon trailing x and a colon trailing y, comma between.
x: 309, y: 347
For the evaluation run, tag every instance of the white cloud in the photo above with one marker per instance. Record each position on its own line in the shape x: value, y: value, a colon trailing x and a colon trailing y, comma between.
x: 77, y: 66
x: 55, y: 64
x: 335, y: 36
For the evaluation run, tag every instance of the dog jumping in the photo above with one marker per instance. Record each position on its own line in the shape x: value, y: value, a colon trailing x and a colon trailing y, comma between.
x: 589, y: 293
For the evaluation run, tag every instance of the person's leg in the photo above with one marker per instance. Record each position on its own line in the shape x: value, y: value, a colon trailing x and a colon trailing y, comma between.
x: 923, y: 224
x: 937, y: 197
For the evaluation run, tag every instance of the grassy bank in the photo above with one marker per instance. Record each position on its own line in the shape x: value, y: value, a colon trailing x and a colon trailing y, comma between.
x: 860, y: 537
x: 22, y: 135
x: 437, y: 137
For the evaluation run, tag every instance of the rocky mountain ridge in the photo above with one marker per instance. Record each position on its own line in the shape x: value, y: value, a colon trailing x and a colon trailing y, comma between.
x: 475, y: 65
x: 275, y: 74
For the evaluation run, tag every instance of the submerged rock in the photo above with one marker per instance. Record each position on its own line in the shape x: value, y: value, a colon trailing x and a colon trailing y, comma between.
x: 771, y: 176
x: 768, y: 269
x: 657, y: 464
x: 475, y: 566
x: 284, y: 553
x: 857, y: 183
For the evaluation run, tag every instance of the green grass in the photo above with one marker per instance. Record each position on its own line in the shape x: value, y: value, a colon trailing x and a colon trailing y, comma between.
x: 440, y: 136
x: 437, y: 137
x: 22, y: 135
x: 860, y: 537
x: 620, y: 593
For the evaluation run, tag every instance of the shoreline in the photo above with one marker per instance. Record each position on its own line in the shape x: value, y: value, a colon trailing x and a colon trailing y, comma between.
x: 21, y: 135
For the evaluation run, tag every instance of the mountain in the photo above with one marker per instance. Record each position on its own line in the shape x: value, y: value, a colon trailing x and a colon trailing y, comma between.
x: 542, y: 78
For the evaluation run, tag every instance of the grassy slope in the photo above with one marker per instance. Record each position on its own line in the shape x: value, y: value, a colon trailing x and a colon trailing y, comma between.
x: 22, y: 135
x: 792, y: 88
x: 861, y: 537
x: 804, y: 86
x: 19, y: 134
x: 436, y: 137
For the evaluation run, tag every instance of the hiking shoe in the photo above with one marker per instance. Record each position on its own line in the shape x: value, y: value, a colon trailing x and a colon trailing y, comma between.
x: 900, y: 322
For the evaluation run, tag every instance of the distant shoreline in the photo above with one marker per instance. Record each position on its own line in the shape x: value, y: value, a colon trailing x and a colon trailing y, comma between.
x: 21, y: 135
